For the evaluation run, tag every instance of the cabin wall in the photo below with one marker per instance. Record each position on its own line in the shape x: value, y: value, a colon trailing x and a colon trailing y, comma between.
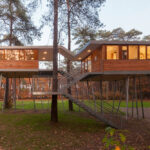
x: 126, y: 65
x: 96, y: 59
x: 12, y: 64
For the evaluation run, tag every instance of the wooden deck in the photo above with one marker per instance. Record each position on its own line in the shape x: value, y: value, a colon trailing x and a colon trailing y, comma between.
x: 112, y: 75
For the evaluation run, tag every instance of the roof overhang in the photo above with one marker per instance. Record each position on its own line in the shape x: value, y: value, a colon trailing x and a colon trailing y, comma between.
x: 62, y: 50
x: 93, y: 45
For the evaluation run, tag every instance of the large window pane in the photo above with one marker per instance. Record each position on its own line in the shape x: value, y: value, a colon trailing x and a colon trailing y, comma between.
x: 89, y: 64
x: 124, y: 52
x: 30, y: 55
x: 2, y: 55
x: 22, y: 56
x: 133, y: 52
x: 148, y: 52
x: 112, y: 52
x: 12, y: 54
x: 142, y: 52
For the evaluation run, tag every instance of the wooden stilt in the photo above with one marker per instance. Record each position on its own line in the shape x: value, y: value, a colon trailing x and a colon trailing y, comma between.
x: 141, y: 97
x: 114, y: 92
x: 135, y: 92
x: 14, y: 92
x: 6, y: 103
x: 101, y: 96
x: 120, y: 98
x: 127, y: 96
x: 107, y: 90
x: 32, y: 89
x: 94, y: 99
x: 88, y: 91
x: 77, y: 94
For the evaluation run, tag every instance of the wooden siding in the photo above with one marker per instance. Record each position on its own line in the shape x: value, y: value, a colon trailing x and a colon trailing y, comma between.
x: 96, y: 60
x: 126, y: 65
x: 9, y: 64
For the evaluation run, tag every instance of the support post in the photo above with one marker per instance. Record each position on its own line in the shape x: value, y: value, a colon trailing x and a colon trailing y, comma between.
x: 135, y: 92
x: 6, y: 98
x: 141, y: 97
x: 94, y: 99
x: 101, y: 96
x: 14, y: 92
x: 127, y: 96
x: 77, y: 94
x: 120, y: 97
x: 114, y: 94
x: 133, y: 95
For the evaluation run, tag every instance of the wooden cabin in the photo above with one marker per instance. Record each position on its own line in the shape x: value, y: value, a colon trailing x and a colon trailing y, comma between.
x: 115, y: 57
x: 24, y: 61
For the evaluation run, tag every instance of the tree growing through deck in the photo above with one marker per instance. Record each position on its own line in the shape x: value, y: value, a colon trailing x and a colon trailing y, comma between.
x: 54, y: 112
x: 16, y: 29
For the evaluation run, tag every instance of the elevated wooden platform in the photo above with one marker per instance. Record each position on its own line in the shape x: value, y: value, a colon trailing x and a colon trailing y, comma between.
x: 39, y: 93
x: 112, y: 75
x: 24, y: 73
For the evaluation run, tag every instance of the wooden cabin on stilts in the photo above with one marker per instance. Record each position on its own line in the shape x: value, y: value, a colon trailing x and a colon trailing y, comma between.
x: 104, y: 68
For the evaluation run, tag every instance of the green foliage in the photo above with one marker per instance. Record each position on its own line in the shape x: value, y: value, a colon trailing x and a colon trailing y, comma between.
x: 113, y: 139
x: 84, y: 34
x: 15, y: 23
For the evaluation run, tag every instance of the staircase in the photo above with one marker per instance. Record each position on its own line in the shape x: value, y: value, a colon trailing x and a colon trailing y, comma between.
x: 91, y: 112
x: 101, y: 110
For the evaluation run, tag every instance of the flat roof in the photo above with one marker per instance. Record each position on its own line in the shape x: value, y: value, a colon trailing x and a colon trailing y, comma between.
x: 62, y: 50
x: 92, y: 45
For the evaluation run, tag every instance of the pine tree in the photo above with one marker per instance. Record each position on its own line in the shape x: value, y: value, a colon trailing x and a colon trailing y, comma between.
x: 15, y: 24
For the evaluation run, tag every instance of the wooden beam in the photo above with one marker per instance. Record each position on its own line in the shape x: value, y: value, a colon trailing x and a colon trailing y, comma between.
x: 127, y: 96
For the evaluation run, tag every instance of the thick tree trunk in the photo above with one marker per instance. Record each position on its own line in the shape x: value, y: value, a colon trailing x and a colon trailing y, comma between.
x: 69, y: 48
x: 6, y: 98
x: 7, y: 103
x: 54, y: 113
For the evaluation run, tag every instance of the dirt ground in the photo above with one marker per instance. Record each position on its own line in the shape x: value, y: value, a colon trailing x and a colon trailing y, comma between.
x: 138, y: 134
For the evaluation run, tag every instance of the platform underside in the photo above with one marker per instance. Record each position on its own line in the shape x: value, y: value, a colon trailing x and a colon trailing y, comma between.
x: 25, y: 73
x: 91, y: 76
x: 113, y: 75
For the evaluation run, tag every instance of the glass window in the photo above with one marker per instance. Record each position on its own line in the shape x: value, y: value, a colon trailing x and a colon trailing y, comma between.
x: 124, y: 52
x: 45, y: 65
x: 86, y: 65
x: 12, y: 54
x: 133, y: 52
x: 30, y: 55
x: 22, y: 56
x: 112, y: 52
x: 148, y: 52
x: 2, y: 55
x: 142, y: 52
x: 89, y: 64
x: 83, y: 66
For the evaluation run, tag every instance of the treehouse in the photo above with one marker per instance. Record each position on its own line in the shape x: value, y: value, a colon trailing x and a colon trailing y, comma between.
x: 25, y: 61
x: 115, y: 58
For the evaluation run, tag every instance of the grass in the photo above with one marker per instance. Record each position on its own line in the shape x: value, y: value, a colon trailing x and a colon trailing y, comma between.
x: 146, y: 104
x: 35, y: 131
x: 45, y: 104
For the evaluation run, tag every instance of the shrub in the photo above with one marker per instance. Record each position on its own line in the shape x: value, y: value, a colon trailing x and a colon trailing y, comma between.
x: 114, y: 140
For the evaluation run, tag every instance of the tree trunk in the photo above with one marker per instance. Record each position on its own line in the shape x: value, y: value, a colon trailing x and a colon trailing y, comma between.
x: 54, y: 112
x: 7, y: 101
x: 69, y: 48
